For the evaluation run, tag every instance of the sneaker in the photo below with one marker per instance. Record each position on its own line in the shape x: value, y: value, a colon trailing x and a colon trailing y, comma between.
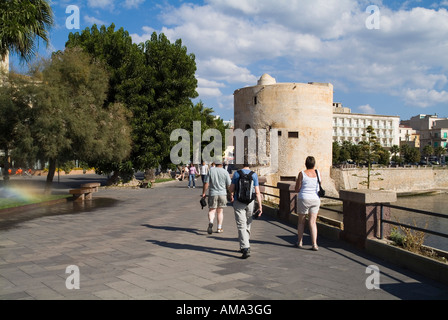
x: 210, y: 228
x: 246, y: 253
x: 220, y: 230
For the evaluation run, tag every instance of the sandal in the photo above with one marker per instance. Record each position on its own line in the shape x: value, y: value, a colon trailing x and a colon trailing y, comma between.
x: 298, y: 245
x: 315, y: 248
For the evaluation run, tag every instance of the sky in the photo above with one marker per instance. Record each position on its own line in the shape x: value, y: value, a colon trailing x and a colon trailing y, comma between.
x: 382, y: 57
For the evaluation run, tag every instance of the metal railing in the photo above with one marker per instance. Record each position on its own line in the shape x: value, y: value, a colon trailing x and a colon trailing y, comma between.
x: 382, y: 219
x: 264, y: 193
x: 428, y: 213
x: 330, y: 209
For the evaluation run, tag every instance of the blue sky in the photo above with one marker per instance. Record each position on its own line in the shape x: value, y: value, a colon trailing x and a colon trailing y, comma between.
x: 399, y: 68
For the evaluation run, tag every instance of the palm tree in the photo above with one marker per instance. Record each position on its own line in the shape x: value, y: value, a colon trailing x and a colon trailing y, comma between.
x: 428, y: 151
x: 439, y: 152
x: 21, y: 21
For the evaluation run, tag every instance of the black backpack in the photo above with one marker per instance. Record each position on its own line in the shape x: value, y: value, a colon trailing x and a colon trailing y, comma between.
x: 246, y: 191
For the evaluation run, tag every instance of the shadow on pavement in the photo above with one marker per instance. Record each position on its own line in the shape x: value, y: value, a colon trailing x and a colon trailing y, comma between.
x: 184, y: 246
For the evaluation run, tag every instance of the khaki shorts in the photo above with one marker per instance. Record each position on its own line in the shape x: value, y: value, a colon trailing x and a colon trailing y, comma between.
x: 305, y: 206
x: 217, y: 202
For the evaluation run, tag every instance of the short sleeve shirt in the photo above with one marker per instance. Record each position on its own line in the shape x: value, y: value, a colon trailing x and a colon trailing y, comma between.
x: 218, y: 180
x: 236, y: 177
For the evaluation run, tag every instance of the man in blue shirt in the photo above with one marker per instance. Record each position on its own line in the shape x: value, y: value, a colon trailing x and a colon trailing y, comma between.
x: 243, y: 211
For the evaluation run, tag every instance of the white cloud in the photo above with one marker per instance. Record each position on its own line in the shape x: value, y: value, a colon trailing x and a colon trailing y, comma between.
x: 424, y: 98
x: 102, y: 4
x: 225, y: 70
x: 319, y: 40
x: 367, y: 109
x: 92, y: 20
x: 133, y: 3
x: 147, y: 31
x: 209, y: 92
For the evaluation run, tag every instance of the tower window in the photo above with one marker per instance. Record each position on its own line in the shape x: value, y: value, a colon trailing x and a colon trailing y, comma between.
x: 293, y: 134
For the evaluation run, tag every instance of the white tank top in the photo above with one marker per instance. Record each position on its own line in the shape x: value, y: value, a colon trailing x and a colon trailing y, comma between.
x: 310, y: 187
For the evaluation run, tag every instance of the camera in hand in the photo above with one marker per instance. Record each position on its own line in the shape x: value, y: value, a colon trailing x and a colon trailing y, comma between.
x: 203, y: 203
x: 256, y: 214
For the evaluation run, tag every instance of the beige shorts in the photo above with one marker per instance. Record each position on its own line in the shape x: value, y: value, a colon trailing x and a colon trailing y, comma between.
x: 305, y: 206
x: 217, y: 202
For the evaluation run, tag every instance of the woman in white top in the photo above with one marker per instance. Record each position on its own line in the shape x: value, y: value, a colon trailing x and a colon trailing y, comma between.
x: 308, y: 201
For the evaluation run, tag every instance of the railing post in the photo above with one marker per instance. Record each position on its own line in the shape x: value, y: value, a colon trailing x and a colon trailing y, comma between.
x: 287, y: 200
x: 363, y: 212
x: 381, y: 221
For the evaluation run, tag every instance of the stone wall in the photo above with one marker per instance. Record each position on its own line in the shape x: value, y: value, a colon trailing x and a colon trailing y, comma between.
x: 395, y: 179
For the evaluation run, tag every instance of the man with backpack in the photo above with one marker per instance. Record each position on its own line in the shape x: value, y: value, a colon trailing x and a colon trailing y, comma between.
x: 244, y: 190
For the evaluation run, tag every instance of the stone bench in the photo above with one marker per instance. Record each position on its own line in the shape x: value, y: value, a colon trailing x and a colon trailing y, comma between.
x: 92, y: 185
x: 82, y: 194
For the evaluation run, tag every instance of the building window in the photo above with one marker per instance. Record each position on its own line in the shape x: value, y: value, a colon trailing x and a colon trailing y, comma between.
x: 293, y: 134
x: 279, y: 133
x: 255, y: 100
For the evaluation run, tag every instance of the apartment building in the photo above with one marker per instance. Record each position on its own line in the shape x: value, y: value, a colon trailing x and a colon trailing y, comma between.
x: 432, y: 129
x: 409, y: 136
x: 348, y: 126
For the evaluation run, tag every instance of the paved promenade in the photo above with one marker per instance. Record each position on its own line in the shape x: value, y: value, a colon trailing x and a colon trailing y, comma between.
x: 152, y: 244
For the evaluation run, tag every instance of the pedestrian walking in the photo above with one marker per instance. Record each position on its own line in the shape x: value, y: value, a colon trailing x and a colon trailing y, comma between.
x: 217, y: 181
x: 244, y: 190
x: 308, y: 201
x: 204, y: 171
x: 192, y: 172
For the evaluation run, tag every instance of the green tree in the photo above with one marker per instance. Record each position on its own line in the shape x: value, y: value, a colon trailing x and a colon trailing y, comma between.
x: 345, y: 152
x: 395, y: 151
x: 413, y: 156
x: 370, y: 149
x: 21, y: 22
x: 70, y: 119
x: 384, y: 156
x: 439, y: 152
x: 15, y: 113
x: 155, y: 80
x: 336, y: 152
x: 428, y: 151
x: 208, y: 121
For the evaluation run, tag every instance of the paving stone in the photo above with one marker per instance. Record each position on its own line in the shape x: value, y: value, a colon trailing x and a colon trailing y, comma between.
x: 152, y: 244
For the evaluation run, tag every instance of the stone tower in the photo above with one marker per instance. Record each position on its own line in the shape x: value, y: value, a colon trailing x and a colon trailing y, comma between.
x: 302, y: 114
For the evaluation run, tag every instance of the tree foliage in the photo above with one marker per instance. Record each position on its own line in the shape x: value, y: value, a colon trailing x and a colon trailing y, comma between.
x: 21, y: 21
x: 156, y: 81
x: 70, y: 119
x: 15, y: 116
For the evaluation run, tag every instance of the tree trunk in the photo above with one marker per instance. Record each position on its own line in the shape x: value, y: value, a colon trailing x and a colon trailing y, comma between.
x: 50, y: 176
x: 150, y: 175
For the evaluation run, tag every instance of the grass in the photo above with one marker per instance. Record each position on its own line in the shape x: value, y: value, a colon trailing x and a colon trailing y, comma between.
x: 6, y: 203
x: 164, y: 180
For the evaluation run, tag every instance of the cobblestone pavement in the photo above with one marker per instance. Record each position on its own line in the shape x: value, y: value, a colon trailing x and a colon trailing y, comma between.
x: 153, y: 244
